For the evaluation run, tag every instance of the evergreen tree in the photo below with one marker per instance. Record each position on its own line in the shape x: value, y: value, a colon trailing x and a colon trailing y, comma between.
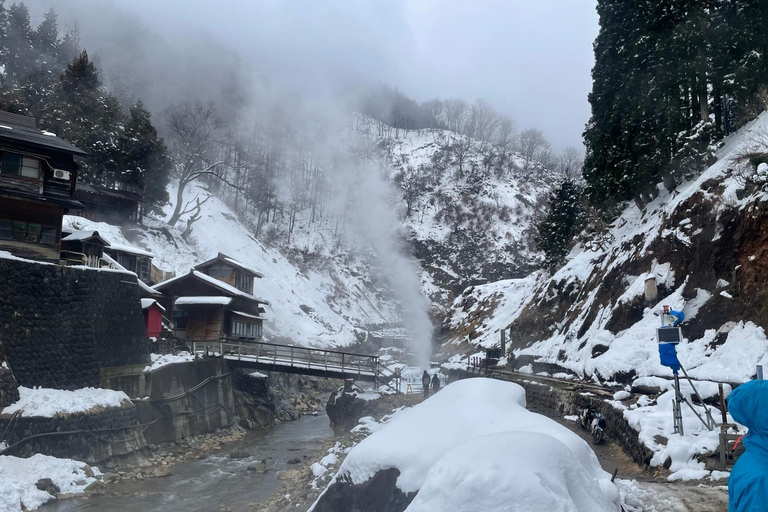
x: 145, y: 161
x: 20, y: 59
x: 563, y: 222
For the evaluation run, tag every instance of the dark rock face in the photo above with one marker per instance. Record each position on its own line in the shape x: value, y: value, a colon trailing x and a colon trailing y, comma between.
x: 9, y: 388
x: 344, y: 408
x: 379, y: 494
x: 254, y: 401
x: 59, y: 325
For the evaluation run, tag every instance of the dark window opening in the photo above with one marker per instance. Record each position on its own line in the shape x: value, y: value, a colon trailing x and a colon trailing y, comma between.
x: 15, y: 164
x: 180, y: 319
x: 27, y: 232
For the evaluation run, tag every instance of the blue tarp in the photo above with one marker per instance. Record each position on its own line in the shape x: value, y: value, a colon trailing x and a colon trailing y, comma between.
x: 668, y: 356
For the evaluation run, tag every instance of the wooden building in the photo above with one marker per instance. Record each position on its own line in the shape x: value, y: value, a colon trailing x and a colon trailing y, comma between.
x: 37, y: 184
x: 133, y: 259
x: 215, y: 300
x: 153, y: 317
x: 106, y: 204
x: 83, y: 248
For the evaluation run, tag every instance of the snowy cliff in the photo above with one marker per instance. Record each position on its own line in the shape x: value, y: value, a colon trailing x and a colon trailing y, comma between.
x: 704, y: 245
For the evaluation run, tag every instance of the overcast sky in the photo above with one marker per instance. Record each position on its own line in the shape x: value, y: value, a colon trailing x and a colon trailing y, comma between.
x: 531, y: 59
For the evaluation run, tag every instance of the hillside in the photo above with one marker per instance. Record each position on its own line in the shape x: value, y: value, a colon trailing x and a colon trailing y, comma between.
x: 331, y: 287
x: 469, y: 207
x: 704, y: 244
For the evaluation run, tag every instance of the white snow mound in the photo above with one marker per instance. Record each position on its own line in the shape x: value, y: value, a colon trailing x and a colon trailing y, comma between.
x: 414, y: 440
x: 47, y: 402
x: 510, y: 472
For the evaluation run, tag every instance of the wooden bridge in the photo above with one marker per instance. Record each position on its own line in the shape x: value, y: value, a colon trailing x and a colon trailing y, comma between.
x: 257, y: 355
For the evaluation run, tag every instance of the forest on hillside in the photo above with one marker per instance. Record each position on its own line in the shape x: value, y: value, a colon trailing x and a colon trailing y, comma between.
x: 670, y: 80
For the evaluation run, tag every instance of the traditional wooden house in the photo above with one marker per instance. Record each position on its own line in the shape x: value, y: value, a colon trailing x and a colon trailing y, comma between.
x: 215, y: 300
x: 83, y: 248
x: 108, y: 204
x: 133, y: 259
x: 37, y: 185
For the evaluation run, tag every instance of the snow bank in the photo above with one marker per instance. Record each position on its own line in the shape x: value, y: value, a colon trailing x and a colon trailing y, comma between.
x: 414, y: 440
x: 510, y: 472
x: 654, y: 424
x: 19, y: 476
x: 158, y: 361
x: 47, y: 402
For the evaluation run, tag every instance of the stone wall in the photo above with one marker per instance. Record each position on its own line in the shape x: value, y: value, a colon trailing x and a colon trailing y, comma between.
x: 255, y: 402
x: 565, y: 402
x: 111, y: 431
x: 59, y: 325
x: 9, y: 388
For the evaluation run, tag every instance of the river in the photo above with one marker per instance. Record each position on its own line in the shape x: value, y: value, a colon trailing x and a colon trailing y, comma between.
x: 207, y: 484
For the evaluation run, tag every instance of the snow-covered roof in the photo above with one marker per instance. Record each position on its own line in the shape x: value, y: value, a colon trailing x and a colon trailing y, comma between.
x: 79, y: 236
x: 248, y: 269
x: 246, y: 315
x: 221, y: 285
x: 231, y: 261
x: 131, y: 250
x: 146, y: 303
x: 226, y: 286
x: 188, y: 301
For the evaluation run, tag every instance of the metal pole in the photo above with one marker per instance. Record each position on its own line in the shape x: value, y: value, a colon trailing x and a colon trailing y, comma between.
x: 710, y: 423
x: 676, y: 410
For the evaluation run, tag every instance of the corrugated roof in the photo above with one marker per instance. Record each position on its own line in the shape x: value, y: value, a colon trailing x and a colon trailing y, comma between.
x: 18, y: 128
x: 106, y: 191
x: 246, y: 315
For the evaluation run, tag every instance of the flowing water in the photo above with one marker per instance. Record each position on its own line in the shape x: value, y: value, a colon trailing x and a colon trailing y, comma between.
x: 205, y: 485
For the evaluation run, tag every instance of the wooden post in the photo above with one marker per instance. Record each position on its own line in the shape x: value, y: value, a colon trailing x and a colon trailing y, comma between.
x: 503, y: 342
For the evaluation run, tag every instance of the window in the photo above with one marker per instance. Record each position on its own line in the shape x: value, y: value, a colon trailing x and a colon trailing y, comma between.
x: 27, y: 232
x: 220, y: 271
x: 180, y: 319
x: 6, y: 230
x: 245, y: 329
x: 20, y: 165
x: 243, y: 282
x: 127, y: 261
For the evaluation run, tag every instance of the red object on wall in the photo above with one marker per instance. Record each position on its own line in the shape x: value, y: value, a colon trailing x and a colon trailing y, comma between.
x: 153, y: 319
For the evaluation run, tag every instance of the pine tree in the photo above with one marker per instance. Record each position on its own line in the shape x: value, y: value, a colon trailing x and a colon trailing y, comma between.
x: 20, y: 59
x: 563, y: 222
x: 145, y: 162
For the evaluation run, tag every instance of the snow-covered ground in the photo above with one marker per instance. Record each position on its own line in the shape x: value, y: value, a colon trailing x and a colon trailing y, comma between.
x: 160, y: 360
x: 19, y: 476
x: 327, y: 307
x: 46, y: 402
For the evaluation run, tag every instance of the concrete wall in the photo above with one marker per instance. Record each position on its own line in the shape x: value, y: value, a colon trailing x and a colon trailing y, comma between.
x: 59, y: 325
x: 179, y: 400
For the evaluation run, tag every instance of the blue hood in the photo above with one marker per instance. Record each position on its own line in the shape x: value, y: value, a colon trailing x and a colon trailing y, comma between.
x: 748, y: 404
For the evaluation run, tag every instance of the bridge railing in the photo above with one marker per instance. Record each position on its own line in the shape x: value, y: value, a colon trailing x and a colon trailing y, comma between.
x: 289, y: 355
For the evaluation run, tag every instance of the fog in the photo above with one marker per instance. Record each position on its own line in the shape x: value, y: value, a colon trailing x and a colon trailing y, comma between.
x: 530, y: 60
x: 304, y: 58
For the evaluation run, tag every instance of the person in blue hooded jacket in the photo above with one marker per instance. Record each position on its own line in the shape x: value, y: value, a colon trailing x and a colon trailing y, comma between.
x: 748, y: 483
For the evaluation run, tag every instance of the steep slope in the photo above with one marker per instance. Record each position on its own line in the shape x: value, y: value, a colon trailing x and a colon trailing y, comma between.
x: 326, y: 297
x: 704, y: 246
x: 469, y: 207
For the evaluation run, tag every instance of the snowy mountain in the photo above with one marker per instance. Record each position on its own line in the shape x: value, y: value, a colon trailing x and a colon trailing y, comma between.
x: 469, y: 207
x: 703, y: 246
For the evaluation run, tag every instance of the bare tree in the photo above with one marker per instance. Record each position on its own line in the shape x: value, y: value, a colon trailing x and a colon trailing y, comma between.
x: 456, y: 111
x: 532, y: 145
x: 435, y: 108
x: 569, y: 162
x: 196, y: 136
x: 505, y: 134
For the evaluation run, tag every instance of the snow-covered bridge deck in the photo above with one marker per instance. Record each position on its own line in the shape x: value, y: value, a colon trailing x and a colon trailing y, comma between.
x: 258, y: 355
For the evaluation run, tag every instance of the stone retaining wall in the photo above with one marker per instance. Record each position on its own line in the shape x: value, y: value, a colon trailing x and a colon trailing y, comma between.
x: 566, y: 402
x: 112, y: 431
x: 59, y: 325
